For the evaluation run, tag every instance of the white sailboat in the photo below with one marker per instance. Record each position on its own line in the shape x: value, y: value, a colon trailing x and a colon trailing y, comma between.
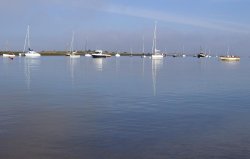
x: 156, y: 53
x: 117, y: 54
x: 72, y: 54
x: 30, y: 53
x: 8, y: 53
x: 229, y: 57
x: 86, y: 54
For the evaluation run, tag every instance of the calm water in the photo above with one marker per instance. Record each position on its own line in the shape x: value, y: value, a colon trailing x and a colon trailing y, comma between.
x: 126, y: 108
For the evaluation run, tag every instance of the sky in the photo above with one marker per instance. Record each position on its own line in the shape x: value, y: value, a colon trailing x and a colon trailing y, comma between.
x: 118, y: 25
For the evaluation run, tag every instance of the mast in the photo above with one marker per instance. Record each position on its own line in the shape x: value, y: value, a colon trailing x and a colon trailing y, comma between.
x: 154, y: 40
x: 143, y: 49
x: 26, y: 41
x: 72, y: 42
x: 86, y: 43
x: 155, y: 37
x: 28, y: 36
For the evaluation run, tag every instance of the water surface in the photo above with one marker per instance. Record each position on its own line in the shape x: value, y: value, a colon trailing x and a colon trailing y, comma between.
x: 127, y: 107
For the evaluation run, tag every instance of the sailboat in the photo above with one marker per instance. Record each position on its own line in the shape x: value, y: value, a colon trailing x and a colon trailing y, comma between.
x: 131, y: 52
x: 117, y: 54
x: 202, y: 53
x: 72, y: 54
x: 8, y: 53
x: 156, y: 53
x: 229, y: 57
x: 143, y: 49
x: 87, y: 54
x: 30, y: 53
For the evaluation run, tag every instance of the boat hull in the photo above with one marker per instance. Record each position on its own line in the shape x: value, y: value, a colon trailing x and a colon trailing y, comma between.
x: 9, y: 55
x: 201, y: 55
x: 157, y: 56
x: 87, y: 55
x: 32, y: 55
x: 231, y: 58
x: 100, y: 55
x: 21, y: 54
x: 74, y: 56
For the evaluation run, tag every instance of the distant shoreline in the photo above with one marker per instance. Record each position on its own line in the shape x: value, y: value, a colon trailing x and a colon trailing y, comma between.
x: 82, y: 53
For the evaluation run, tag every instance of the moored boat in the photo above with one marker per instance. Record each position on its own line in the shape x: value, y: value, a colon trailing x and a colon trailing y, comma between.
x: 87, y: 55
x: 72, y: 54
x: 200, y: 55
x: 99, y: 54
x: 156, y: 53
x: 11, y: 55
x: 30, y: 53
x: 230, y: 58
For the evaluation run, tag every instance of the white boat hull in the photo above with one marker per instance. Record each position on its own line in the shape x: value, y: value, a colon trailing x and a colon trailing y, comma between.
x: 74, y: 56
x: 9, y: 55
x: 157, y: 56
x: 117, y: 55
x: 87, y: 55
x: 32, y: 55
x: 21, y: 54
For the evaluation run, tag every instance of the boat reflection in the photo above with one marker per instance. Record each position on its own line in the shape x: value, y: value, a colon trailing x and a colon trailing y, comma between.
x: 73, y: 62
x: 117, y: 64
x: 156, y: 66
x: 30, y: 65
x: 143, y: 65
x: 231, y: 65
x: 98, y: 62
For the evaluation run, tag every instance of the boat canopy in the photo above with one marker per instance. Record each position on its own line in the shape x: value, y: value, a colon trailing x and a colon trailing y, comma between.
x: 98, y: 51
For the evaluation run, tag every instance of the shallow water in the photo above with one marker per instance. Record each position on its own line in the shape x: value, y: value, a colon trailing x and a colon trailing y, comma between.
x: 127, y: 107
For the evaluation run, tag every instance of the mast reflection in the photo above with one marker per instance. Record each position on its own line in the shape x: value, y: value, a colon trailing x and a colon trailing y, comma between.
x: 30, y: 65
x: 156, y: 66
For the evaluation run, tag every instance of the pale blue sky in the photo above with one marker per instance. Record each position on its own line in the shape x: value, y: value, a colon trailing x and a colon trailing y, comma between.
x: 119, y: 25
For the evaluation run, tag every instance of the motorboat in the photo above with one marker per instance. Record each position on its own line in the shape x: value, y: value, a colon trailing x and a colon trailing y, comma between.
x: 201, y: 55
x: 99, y: 54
